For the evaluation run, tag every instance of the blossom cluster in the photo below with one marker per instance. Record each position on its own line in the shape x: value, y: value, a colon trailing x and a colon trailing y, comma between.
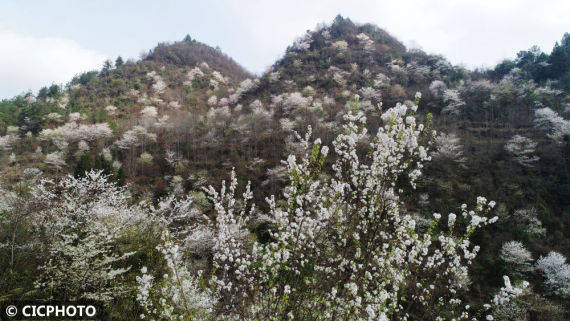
x: 81, y: 221
x: 557, y: 273
x: 72, y: 132
x: 548, y: 119
x: 522, y: 149
x: 342, y: 246
x: 136, y: 136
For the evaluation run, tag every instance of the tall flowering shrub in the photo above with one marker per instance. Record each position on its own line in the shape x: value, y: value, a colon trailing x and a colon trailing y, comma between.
x: 557, y: 273
x: 515, y: 255
x: 80, y: 222
x: 522, y: 149
x: 342, y: 246
x: 179, y: 295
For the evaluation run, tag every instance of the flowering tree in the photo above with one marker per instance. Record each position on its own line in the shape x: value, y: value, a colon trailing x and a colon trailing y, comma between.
x: 516, y: 255
x: 149, y: 112
x: 134, y: 137
x: 81, y: 221
x: 213, y: 101
x: 342, y: 246
x: 193, y: 74
x: 7, y: 141
x: 557, y: 273
x: 145, y: 158
x: 303, y: 43
x: 366, y: 42
x: 246, y: 86
x: 179, y: 296
x: 549, y: 120
x: 528, y: 219
x: 448, y: 147
x: 158, y: 85
x: 437, y: 87
x: 71, y: 131
x: 111, y: 110
x: 371, y: 93
x: 503, y: 302
x: 340, y: 45
x: 522, y: 149
x: 56, y: 159
x: 453, y: 101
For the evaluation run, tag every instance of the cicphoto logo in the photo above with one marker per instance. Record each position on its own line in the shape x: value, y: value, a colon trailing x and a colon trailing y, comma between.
x: 51, y: 311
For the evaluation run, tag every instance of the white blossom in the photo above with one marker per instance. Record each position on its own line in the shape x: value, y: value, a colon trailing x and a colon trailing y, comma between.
x: 548, y: 119
x: 322, y: 219
x: 522, y: 149
x: 340, y: 45
x: 515, y: 254
x: 213, y: 101
x: 366, y: 42
x: 111, y: 110
x: 56, y: 159
x: 448, y: 146
x: 247, y: 86
x: 557, y: 273
x: 82, y: 220
x: 453, y: 101
x: 437, y: 87
x: 7, y: 141
x: 136, y: 136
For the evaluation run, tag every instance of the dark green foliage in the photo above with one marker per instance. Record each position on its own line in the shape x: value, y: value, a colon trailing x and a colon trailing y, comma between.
x: 10, y: 112
x: 83, y: 165
x: 107, y: 66
x: 559, y: 59
x: 32, y: 117
x: 119, y: 62
x: 121, y: 176
x: 541, y: 66
x: 84, y: 78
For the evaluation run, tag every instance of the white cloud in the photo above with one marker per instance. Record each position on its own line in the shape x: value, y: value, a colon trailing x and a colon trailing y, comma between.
x: 29, y: 63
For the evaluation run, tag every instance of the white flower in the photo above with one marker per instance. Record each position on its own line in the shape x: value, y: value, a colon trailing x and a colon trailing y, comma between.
x: 149, y: 112
x: 514, y: 253
x: 522, y: 149
x: 557, y: 273
x: 451, y: 219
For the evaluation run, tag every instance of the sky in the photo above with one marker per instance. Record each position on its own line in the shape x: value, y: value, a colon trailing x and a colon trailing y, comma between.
x: 49, y: 41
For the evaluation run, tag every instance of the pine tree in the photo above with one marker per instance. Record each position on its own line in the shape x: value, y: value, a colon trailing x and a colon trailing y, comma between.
x: 82, y: 166
x: 119, y: 62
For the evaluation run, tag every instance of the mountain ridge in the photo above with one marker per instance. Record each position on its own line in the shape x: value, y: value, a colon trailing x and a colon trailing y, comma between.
x: 185, y: 115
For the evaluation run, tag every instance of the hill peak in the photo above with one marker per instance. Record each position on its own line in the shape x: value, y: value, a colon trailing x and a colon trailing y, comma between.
x: 190, y: 52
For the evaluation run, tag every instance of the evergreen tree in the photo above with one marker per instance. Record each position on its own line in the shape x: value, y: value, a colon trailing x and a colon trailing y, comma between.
x: 83, y: 165
x: 121, y: 176
x: 119, y: 62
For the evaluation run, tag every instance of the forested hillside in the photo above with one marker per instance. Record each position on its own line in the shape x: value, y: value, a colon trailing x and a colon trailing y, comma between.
x: 413, y: 188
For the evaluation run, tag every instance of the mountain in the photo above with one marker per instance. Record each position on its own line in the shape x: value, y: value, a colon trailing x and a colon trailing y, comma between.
x: 191, y: 53
x: 186, y: 114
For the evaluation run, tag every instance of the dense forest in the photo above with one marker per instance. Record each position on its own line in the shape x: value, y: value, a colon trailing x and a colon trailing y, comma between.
x: 355, y: 179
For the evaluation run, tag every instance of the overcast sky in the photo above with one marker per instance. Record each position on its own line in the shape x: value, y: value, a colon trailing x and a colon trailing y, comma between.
x: 49, y: 41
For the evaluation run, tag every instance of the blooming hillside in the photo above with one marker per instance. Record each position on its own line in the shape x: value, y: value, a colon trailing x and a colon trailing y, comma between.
x: 352, y: 145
